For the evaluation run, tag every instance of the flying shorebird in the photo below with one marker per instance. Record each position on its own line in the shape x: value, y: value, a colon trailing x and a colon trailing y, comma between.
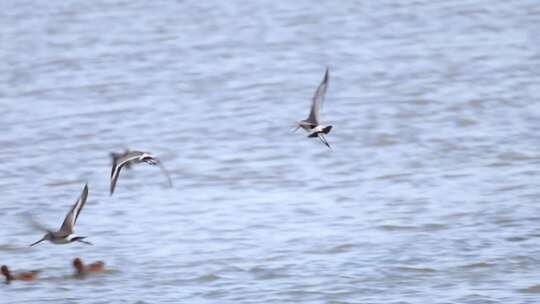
x: 312, y: 123
x: 135, y: 157
x: 66, y: 234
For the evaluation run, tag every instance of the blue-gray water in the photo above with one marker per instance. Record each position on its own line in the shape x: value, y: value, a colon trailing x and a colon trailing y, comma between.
x: 429, y: 195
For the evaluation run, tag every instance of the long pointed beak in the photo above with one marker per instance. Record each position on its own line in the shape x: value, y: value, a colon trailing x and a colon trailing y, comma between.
x: 296, y: 127
x: 43, y: 239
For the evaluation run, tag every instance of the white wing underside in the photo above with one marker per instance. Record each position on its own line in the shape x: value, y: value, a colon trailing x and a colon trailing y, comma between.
x: 73, y: 214
x: 121, y: 162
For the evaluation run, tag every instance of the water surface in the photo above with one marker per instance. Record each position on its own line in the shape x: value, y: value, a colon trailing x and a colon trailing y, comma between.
x: 429, y: 194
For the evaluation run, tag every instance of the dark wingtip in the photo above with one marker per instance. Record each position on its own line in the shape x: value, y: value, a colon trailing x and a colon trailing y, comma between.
x: 84, y: 194
x: 113, y: 167
x: 327, y: 129
x: 112, y: 187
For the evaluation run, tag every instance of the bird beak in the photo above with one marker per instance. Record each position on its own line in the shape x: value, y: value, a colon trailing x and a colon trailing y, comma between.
x: 43, y: 239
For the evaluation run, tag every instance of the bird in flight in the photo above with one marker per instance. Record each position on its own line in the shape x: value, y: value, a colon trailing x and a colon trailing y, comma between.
x: 135, y: 157
x: 312, y: 123
x: 66, y: 233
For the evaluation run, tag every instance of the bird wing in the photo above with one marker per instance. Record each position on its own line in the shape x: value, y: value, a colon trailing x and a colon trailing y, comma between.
x: 318, y: 99
x: 116, y: 156
x: 73, y: 214
x: 122, y: 159
x: 35, y: 224
x: 165, y: 172
x: 119, y: 163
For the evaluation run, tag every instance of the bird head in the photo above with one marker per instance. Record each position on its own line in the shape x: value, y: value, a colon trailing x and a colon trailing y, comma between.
x: 7, y: 273
x: 77, y: 263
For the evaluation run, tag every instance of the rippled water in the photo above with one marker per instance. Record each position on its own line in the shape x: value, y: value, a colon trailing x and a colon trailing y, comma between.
x: 429, y: 195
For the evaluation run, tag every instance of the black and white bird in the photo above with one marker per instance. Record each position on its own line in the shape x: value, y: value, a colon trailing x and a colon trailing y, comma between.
x: 134, y: 157
x: 312, y: 123
x: 66, y: 234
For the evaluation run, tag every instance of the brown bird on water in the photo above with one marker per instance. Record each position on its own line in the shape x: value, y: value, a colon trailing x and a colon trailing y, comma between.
x: 81, y: 269
x: 23, y: 276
